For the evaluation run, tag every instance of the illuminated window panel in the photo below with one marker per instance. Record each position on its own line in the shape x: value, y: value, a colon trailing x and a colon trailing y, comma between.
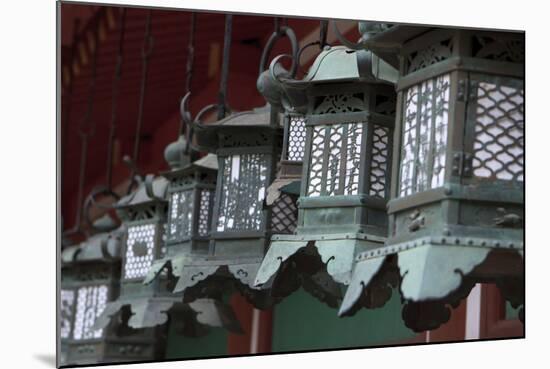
x: 243, y: 192
x: 140, y: 250
x: 90, y: 303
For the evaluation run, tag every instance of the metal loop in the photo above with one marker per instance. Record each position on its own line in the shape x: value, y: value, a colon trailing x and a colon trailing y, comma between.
x: 302, y: 50
x: 345, y: 41
x: 275, y: 36
x: 91, y: 202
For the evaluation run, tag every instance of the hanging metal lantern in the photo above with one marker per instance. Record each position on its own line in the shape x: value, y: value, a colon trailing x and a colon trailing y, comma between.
x: 457, y: 208
x: 90, y: 279
x: 345, y: 179
x: 247, y: 145
x: 191, y: 192
x: 150, y: 306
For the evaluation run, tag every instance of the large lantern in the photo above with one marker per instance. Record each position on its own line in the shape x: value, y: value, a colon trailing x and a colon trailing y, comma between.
x: 349, y: 117
x: 247, y: 145
x: 456, y: 212
x: 90, y: 279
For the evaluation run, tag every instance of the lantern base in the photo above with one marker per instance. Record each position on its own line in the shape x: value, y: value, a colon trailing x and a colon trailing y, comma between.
x: 206, y: 276
x: 148, y: 312
x: 322, y: 265
x: 435, y: 274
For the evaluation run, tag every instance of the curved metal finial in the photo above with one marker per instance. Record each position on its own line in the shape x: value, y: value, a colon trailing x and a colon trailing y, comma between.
x: 91, y: 201
x: 351, y: 45
x: 275, y: 36
x: 149, y: 188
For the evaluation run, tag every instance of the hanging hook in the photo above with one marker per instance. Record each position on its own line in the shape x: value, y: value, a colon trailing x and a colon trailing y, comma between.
x: 146, y: 51
x: 106, y: 191
x: 222, y: 107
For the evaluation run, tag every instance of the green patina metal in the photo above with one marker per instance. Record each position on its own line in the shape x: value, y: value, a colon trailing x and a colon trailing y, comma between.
x: 348, y: 117
x: 146, y: 308
x: 90, y: 279
x: 191, y: 198
x: 247, y: 145
x: 457, y: 209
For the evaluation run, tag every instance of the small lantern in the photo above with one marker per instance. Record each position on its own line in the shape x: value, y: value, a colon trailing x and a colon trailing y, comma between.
x: 248, y: 146
x: 456, y: 211
x: 90, y: 279
x: 346, y: 170
x: 148, y: 307
x: 191, y: 192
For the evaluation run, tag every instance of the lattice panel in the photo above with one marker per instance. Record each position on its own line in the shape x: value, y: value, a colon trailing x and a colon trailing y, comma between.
x: 284, y: 215
x: 140, y: 250
x: 316, y: 161
x: 379, y: 162
x: 204, y: 212
x: 90, y: 304
x: 499, y: 127
x: 180, y: 222
x: 296, y: 139
x: 335, y: 145
x: 336, y: 162
x: 424, y: 144
x: 354, y: 137
x: 66, y: 309
x: 242, y: 192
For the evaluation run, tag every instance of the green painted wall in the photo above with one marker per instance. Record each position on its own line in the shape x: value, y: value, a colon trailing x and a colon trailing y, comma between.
x: 303, y: 323
x: 181, y: 347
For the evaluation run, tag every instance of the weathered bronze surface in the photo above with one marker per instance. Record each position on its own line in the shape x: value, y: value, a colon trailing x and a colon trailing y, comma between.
x: 456, y: 210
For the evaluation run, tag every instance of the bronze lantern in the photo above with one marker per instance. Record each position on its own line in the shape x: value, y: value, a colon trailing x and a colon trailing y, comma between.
x: 457, y: 206
x: 247, y: 145
x: 90, y: 280
x: 349, y: 117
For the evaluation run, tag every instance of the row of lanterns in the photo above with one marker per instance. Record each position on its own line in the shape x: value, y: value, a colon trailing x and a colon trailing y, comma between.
x: 396, y: 162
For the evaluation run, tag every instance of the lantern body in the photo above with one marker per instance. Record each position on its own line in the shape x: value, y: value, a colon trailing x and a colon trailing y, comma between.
x: 141, y: 309
x: 248, y: 146
x: 190, y: 192
x: 90, y: 280
x: 346, y: 168
x: 457, y: 195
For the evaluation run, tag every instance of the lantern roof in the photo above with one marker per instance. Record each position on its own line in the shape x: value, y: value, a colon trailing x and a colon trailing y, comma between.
x: 208, y: 163
x: 257, y: 117
x: 159, y: 187
x: 341, y: 64
x: 262, y: 118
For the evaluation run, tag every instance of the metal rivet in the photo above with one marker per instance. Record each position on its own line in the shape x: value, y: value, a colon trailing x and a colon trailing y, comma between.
x: 497, y: 244
x: 457, y: 241
x: 483, y: 243
x: 443, y: 240
x: 470, y: 242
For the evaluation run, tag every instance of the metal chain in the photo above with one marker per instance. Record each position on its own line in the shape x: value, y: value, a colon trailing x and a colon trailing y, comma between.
x: 116, y: 82
x: 85, y: 135
x: 189, y: 77
x: 222, y: 108
x: 69, y: 97
x: 146, y: 52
